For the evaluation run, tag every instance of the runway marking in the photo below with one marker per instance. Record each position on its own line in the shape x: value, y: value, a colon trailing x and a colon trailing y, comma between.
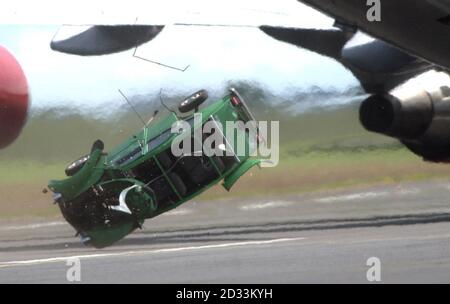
x: 32, y: 226
x: 399, y: 191
x: 272, y: 204
x: 408, y: 191
x: 145, y: 252
x: 351, y: 197
x: 177, y: 212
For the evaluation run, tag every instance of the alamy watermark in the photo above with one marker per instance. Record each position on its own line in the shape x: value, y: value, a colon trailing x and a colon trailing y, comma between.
x: 73, y: 274
x: 374, y: 11
x: 374, y: 272
x: 236, y: 139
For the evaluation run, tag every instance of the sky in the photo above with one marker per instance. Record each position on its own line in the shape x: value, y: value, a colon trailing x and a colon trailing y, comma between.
x: 215, y: 55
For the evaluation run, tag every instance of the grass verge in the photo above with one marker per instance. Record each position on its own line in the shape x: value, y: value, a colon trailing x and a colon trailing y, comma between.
x: 21, y: 182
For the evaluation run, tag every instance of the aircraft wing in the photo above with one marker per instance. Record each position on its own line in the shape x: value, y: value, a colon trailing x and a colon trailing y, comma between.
x: 411, y: 35
x: 419, y: 27
x: 117, y: 26
x: 377, y: 65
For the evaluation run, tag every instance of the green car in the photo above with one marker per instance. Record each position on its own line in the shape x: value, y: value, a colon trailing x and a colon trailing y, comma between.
x: 108, y: 195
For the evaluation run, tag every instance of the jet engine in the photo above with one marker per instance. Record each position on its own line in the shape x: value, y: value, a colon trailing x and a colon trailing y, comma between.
x: 419, y: 118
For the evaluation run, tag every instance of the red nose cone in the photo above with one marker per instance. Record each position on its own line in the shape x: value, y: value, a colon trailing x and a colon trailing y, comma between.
x: 13, y: 98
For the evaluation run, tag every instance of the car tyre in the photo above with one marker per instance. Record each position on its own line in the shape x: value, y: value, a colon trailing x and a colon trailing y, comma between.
x: 76, y: 166
x: 193, y: 101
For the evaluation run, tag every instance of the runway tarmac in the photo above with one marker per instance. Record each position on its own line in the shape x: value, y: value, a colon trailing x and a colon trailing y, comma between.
x: 324, y: 237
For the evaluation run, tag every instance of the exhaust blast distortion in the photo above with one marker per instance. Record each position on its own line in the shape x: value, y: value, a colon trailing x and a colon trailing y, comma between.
x: 419, y: 119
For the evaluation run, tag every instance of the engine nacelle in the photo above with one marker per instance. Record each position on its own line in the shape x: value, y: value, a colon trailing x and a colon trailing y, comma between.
x: 419, y: 119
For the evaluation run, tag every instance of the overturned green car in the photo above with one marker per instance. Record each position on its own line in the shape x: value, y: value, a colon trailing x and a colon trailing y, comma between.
x: 108, y: 195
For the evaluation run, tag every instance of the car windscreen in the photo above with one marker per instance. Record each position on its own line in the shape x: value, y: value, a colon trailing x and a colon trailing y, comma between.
x: 158, y: 140
x: 129, y: 157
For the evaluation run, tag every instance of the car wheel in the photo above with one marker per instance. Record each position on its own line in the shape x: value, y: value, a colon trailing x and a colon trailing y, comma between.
x: 76, y: 166
x: 193, y: 101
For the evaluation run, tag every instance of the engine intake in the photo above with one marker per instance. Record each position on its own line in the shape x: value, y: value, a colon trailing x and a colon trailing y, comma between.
x: 419, y: 119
